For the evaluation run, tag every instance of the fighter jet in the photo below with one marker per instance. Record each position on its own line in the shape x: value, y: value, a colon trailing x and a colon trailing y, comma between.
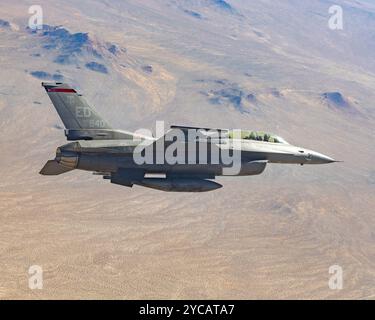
x: 184, y: 159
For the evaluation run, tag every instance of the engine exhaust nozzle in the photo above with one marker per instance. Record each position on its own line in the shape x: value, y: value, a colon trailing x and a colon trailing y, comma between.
x: 67, y: 159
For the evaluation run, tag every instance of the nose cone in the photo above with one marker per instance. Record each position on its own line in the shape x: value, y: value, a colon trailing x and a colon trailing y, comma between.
x: 318, y: 158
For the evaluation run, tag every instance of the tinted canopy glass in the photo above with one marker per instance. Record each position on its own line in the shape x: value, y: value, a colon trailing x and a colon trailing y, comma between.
x: 259, y: 136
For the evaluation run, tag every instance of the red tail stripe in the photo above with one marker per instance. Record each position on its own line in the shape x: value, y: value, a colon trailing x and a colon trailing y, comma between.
x: 61, y: 90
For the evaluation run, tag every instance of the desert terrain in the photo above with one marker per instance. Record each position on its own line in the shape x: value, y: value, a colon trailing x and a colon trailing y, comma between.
x: 258, y: 65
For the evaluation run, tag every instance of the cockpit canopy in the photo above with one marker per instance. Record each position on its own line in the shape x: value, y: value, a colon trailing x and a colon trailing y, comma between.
x: 258, y: 136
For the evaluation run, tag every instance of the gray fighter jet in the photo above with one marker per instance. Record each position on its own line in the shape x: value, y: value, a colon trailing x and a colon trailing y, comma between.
x: 184, y: 159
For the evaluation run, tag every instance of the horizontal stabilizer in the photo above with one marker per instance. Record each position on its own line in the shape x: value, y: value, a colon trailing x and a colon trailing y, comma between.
x: 53, y: 168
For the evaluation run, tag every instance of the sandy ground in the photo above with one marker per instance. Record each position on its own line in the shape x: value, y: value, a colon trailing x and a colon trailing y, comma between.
x: 270, y: 236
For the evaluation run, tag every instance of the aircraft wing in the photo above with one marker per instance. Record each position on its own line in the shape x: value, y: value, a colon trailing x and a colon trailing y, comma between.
x: 186, y: 128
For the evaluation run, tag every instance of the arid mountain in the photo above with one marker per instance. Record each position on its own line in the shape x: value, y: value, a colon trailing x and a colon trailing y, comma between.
x: 262, y: 65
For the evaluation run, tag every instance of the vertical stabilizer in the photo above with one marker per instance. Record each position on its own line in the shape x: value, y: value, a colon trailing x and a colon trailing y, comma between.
x: 72, y: 108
